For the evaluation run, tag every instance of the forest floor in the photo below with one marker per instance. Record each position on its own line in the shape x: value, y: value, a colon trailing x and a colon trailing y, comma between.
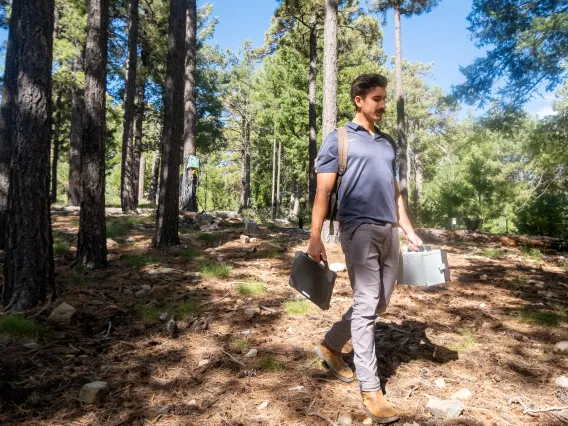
x: 492, y: 329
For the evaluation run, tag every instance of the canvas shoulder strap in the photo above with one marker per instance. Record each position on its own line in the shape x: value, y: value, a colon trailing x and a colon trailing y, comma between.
x: 342, y: 148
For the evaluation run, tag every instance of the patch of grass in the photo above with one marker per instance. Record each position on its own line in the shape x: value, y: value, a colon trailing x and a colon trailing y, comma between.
x: 467, y: 341
x: 543, y: 318
x: 210, y: 269
x: 148, y: 314
x: 314, y: 362
x: 78, y: 274
x: 269, y: 363
x: 60, y: 245
x: 117, y: 227
x: 17, y: 325
x: 252, y: 288
x: 297, y: 307
x: 491, y: 253
x: 184, y: 230
x: 267, y: 254
x: 242, y: 344
x: 209, y: 237
x: 140, y: 261
x: 565, y: 266
x: 74, y: 222
x: 183, y: 309
x: 533, y: 253
x: 189, y: 253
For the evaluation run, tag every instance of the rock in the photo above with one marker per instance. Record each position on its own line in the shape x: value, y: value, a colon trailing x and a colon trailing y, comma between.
x: 268, y: 246
x: 369, y: 421
x: 130, y: 240
x: 251, y: 224
x: 111, y: 243
x: 203, y: 362
x: 531, y: 282
x: 192, y: 405
x: 163, y: 409
x: 251, y: 311
x: 62, y: 314
x: 93, y: 392
x: 253, y: 240
x: 263, y: 405
x: 445, y: 409
x: 146, y: 287
x: 205, y: 228
x: 482, y: 306
x: 31, y: 345
x: 192, y: 274
x: 485, y: 324
x: 462, y: 395
x: 164, y: 317
x: 171, y: 327
x: 140, y: 292
x: 337, y: 267
x: 152, y: 272
x: 244, y: 239
x: 251, y: 354
x: 409, y: 424
x: 440, y: 383
x: 344, y: 419
x: 561, y: 381
x: 561, y: 347
x: 166, y: 270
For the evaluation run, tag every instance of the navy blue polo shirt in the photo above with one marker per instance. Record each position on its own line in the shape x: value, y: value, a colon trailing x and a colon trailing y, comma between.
x: 367, y: 193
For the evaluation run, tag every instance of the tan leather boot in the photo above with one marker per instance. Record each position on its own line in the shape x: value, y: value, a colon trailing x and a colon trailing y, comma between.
x: 335, y: 363
x: 378, y: 408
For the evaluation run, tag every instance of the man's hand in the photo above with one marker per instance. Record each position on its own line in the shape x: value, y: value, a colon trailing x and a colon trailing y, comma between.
x: 316, y: 249
x: 414, y: 242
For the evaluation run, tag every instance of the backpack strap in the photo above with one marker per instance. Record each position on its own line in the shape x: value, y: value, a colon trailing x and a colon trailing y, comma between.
x: 342, y: 148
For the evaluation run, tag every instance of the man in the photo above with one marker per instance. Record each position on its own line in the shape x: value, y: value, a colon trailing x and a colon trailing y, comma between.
x: 370, y: 207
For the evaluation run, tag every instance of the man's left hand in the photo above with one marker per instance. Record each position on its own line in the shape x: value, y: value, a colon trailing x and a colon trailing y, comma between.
x: 414, y: 242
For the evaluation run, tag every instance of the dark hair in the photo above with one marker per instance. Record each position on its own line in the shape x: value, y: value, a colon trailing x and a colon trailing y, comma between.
x: 363, y: 84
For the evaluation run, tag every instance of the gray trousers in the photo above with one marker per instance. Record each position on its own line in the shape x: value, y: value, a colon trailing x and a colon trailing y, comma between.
x: 371, y: 254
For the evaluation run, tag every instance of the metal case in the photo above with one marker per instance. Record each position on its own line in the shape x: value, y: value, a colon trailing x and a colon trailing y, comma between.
x: 424, y: 268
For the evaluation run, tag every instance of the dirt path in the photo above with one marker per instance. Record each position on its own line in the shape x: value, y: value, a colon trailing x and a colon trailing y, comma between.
x: 492, y: 330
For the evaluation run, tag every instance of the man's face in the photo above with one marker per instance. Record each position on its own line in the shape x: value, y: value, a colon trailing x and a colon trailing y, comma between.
x: 373, y: 105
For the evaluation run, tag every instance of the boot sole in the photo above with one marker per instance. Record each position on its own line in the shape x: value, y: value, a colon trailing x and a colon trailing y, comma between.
x: 380, y: 420
x: 335, y: 373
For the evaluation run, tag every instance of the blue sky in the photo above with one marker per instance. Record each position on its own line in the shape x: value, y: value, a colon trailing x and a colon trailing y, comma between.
x: 440, y: 37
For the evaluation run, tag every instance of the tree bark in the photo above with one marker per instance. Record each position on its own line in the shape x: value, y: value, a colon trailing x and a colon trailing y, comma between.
x: 313, y: 149
x: 91, y: 245
x: 7, y: 118
x: 278, y: 194
x: 172, y: 133
x: 153, y: 188
x: 273, y: 205
x: 141, y: 177
x: 188, y: 199
x: 76, y: 136
x: 29, y: 268
x: 137, y: 177
x: 127, y: 194
x: 245, y: 166
x: 330, y: 68
x: 402, y: 144
x: 56, y: 135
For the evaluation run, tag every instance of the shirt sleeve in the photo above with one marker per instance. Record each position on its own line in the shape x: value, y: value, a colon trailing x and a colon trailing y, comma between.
x: 327, y: 161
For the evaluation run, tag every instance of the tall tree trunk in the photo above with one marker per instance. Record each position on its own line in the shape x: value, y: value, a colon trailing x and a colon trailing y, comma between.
x: 56, y: 135
x: 7, y: 111
x: 76, y: 135
x: 141, y: 176
x: 153, y: 188
x: 330, y: 68
x: 29, y: 268
x: 273, y: 205
x: 189, y: 187
x: 127, y: 195
x: 294, y: 199
x: 137, y: 178
x: 402, y: 144
x: 172, y: 133
x: 278, y: 194
x: 329, y: 88
x: 245, y: 166
x: 313, y: 149
x: 91, y: 246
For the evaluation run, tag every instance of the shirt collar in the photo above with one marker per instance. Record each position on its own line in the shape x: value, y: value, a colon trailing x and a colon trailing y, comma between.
x: 354, y: 126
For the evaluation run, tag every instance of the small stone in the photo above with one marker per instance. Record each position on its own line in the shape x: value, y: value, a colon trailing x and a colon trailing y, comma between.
x: 62, y: 314
x: 445, y: 409
x: 164, y: 317
x: 482, y: 306
x: 561, y: 347
x: 337, y: 267
x: 166, y: 270
x: 531, y: 282
x: 192, y: 274
x: 203, y: 362
x: 369, y: 421
x: 263, y: 405
x: 561, y: 381
x: 409, y: 424
x: 111, y: 243
x: 205, y: 228
x: 93, y: 392
x: 485, y: 324
x: 152, y: 272
x: 146, y: 287
x: 130, y: 240
x: 440, y: 383
x: 244, y: 239
x: 251, y: 311
x: 251, y: 354
x: 163, y: 409
x: 344, y: 419
x: 290, y: 330
x: 296, y: 388
x: 140, y: 292
x: 253, y: 240
x: 192, y: 405
x: 31, y: 345
x: 462, y: 395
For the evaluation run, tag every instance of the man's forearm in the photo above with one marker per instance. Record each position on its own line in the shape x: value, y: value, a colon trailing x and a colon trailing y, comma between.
x: 319, y: 211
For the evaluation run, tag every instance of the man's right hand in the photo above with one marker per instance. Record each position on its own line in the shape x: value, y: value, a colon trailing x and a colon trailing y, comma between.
x: 316, y: 249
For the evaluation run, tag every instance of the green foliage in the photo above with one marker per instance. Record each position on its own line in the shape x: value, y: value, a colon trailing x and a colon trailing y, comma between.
x: 212, y: 269
x: 185, y: 308
x: 242, y: 344
x: 140, y: 261
x: 297, y: 307
x: 269, y: 363
x: 252, y: 288
x: 148, y: 313
x: 466, y: 341
x: 119, y: 226
x: 543, y: 318
x: 17, y: 325
x: 491, y: 253
x: 532, y: 253
x: 60, y: 245
x: 209, y: 237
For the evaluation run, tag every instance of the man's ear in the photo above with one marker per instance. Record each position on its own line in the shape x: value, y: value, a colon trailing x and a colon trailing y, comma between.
x: 358, y: 100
